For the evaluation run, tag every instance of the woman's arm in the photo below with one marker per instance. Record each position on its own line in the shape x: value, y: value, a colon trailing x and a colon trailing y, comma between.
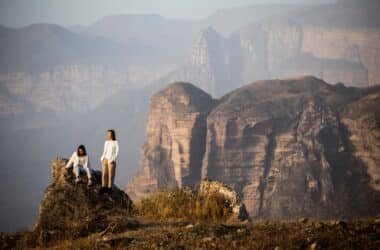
x: 86, y: 162
x: 70, y: 161
x: 104, y: 151
x: 116, y: 151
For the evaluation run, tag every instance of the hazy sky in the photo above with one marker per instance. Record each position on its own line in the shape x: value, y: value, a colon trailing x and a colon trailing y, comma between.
x: 17, y: 13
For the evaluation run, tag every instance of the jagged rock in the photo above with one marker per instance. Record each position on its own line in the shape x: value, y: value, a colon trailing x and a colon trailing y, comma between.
x: 206, y: 188
x: 174, y: 145
x: 340, y: 223
x: 313, y: 246
x: 70, y: 209
x: 303, y: 220
x: 290, y: 148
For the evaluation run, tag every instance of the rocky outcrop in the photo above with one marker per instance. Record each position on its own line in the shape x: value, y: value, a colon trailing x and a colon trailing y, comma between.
x: 70, y: 210
x: 290, y: 148
x: 174, y: 145
x: 208, y: 188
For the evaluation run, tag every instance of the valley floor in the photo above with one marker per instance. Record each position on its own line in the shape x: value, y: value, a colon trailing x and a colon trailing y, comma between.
x: 301, y: 234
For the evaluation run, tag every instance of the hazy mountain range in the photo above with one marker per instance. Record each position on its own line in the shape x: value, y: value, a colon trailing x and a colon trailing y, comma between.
x: 61, y: 86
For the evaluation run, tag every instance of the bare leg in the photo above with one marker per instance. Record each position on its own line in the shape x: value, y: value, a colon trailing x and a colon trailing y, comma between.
x: 111, y: 173
x: 104, y: 173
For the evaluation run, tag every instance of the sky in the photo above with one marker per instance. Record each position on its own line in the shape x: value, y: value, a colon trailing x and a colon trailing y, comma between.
x: 18, y: 13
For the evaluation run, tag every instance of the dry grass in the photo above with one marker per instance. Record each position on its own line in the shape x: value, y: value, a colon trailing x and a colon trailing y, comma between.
x: 182, y: 219
x: 362, y: 234
x: 183, y: 204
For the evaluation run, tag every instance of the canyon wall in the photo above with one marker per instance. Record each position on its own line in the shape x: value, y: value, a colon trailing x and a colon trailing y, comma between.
x: 291, y: 148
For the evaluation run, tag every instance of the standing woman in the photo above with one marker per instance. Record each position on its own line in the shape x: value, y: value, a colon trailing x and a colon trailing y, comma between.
x: 108, y: 159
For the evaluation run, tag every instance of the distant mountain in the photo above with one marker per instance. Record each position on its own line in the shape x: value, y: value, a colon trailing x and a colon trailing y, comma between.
x: 209, y: 66
x: 41, y: 63
x: 48, y: 73
x: 288, y: 44
x: 346, y: 13
x: 39, y: 47
x: 151, y: 36
x: 226, y: 21
x: 291, y: 148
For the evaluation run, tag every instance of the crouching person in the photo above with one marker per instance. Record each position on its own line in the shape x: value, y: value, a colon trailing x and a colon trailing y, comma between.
x: 79, y: 160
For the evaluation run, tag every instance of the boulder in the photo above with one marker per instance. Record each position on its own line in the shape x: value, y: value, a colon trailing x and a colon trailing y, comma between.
x: 207, y: 188
x: 70, y: 210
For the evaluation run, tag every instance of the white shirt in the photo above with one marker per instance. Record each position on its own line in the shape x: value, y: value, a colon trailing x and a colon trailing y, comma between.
x: 78, y: 160
x: 111, y: 150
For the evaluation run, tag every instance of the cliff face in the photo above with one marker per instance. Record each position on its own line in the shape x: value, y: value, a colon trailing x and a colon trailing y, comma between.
x: 362, y: 121
x: 174, y: 145
x: 282, y: 145
x: 290, y: 148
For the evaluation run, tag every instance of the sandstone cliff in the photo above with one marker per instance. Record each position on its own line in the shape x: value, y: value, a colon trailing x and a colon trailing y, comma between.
x: 290, y: 148
x: 282, y: 145
x: 174, y: 145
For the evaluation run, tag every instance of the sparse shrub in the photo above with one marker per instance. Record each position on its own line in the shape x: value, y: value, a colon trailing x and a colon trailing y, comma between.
x: 183, y: 204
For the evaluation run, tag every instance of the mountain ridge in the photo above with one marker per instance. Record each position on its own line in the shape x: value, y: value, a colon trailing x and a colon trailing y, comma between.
x: 264, y: 136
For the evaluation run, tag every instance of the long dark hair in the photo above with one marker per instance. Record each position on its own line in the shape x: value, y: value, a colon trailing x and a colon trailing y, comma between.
x: 113, y: 134
x: 83, y: 149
